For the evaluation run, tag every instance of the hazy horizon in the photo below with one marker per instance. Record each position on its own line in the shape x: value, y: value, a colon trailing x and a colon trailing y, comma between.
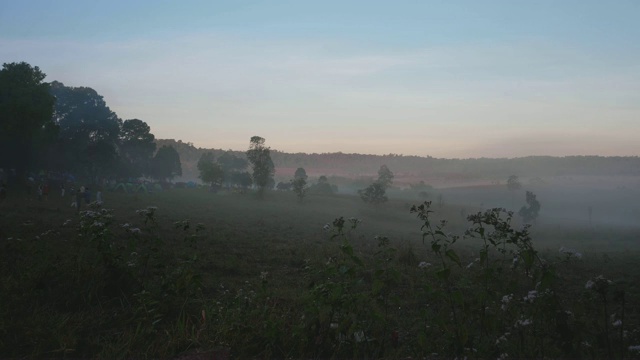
x: 448, y: 80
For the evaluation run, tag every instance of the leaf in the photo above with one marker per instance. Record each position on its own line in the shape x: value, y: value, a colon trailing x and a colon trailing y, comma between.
x: 451, y: 254
x: 444, y: 273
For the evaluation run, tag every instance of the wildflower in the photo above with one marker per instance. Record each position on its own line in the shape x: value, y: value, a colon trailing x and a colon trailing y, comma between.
x: 505, y: 301
x: 135, y: 230
x: 424, y: 265
x: 523, y: 323
x: 502, y: 338
x: 589, y: 284
x: 533, y: 294
x: 126, y: 225
x: 67, y: 222
x: 326, y: 227
x: 263, y: 275
x: 617, y: 323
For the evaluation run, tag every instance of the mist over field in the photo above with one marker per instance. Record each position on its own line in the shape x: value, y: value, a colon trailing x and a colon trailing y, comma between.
x: 320, y: 180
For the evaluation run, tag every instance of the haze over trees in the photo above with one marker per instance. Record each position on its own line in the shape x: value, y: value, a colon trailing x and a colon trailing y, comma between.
x: 376, y: 192
x: 259, y: 157
x: 210, y: 172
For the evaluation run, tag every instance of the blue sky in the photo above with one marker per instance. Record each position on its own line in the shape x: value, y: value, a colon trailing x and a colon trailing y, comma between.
x: 439, y: 78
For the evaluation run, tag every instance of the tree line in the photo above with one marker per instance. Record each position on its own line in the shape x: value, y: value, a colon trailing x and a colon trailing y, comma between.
x: 53, y: 127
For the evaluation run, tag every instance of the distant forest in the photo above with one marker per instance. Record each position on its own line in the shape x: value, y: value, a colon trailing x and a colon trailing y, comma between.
x: 416, y: 168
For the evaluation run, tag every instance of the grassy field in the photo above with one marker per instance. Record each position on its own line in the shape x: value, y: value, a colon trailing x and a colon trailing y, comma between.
x: 188, y: 273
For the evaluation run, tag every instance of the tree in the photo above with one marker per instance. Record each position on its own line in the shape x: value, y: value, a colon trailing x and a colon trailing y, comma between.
x: 232, y: 165
x: 259, y: 157
x: 210, y: 172
x: 373, y: 194
x: 166, y: 164
x: 385, y: 176
x: 530, y: 214
x: 84, y: 120
x: 137, y: 145
x: 301, y: 173
x: 242, y: 179
x: 26, y: 107
x: 299, y: 183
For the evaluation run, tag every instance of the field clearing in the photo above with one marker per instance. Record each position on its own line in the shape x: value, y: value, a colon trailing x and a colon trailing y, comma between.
x: 244, y: 240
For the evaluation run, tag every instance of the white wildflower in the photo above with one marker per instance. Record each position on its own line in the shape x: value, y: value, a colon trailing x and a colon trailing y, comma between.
x: 263, y: 275
x: 424, y: 265
x: 589, y: 284
x: 505, y: 301
x: 326, y: 227
x: 617, y: 323
x: 523, y: 323
x: 533, y: 294
x: 135, y: 230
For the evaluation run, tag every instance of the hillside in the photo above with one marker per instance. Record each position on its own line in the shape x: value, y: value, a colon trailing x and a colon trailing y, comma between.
x: 412, y: 169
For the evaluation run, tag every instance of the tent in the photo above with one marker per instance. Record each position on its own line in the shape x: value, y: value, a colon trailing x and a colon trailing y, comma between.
x: 120, y: 187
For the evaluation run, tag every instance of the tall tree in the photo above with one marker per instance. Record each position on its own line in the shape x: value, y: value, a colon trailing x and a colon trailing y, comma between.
x: 26, y: 107
x: 210, y: 172
x: 85, y: 121
x: 299, y: 183
x: 301, y: 173
x: 166, y: 164
x: 137, y: 145
x: 259, y: 157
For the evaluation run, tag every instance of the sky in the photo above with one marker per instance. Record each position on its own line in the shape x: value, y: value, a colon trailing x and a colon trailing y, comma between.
x: 454, y: 79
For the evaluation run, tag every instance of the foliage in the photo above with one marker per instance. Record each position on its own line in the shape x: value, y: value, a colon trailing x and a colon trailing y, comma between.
x: 87, y: 126
x: 299, y: 187
x: 323, y: 187
x: 259, y: 157
x: 530, y: 214
x: 166, y: 164
x: 210, y: 172
x: 301, y: 173
x: 232, y: 165
x: 137, y: 146
x: 25, y: 115
x: 127, y: 283
x: 373, y: 194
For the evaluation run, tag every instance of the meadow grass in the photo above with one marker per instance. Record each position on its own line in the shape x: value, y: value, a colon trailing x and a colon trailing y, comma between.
x: 186, y: 271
